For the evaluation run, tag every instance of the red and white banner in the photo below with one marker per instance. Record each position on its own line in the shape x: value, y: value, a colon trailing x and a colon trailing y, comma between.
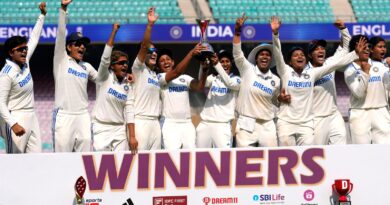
x: 284, y: 175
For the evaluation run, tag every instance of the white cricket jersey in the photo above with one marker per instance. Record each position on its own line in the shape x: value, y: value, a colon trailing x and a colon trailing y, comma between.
x: 301, y: 86
x: 258, y: 91
x: 16, y: 84
x: 70, y: 77
x: 146, y: 90
x: 112, y: 95
x: 175, y: 97
x: 367, y: 90
x: 221, y: 99
x: 325, y: 95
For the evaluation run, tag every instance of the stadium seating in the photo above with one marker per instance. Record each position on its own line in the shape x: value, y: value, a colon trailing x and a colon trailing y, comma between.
x: 92, y: 12
x: 291, y: 11
x: 371, y: 10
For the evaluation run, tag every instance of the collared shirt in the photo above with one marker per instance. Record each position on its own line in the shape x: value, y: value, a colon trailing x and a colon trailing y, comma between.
x: 16, y: 84
x: 367, y: 90
x: 70, y: 77
x: 114, y: 99
x: 258, y: 91
x: 301, y: 86
x: 221, y: 98
x: 175, y: 97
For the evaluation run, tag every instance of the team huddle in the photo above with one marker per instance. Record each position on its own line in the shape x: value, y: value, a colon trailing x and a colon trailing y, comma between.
x: 150, y: 108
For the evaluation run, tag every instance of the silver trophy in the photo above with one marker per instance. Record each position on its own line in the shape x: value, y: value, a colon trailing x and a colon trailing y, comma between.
x: 209, y: 51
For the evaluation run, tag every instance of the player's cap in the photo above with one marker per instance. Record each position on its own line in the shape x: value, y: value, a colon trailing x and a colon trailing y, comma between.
x: 262, y: 46
x: 226, y: 54
x: 314, y: 43
x: 77, y: 36
x: 164, y: 51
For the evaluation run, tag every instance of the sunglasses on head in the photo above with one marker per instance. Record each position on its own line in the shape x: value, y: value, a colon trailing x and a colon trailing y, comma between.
x: 120, y: 62
x: 21, y: 49
x: 152, y: 49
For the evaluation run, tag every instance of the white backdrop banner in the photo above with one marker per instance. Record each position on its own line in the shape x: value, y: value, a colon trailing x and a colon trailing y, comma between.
x: 284, y: 175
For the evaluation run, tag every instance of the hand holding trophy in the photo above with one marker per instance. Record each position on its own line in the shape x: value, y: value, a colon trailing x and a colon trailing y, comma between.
x: 206, y: 54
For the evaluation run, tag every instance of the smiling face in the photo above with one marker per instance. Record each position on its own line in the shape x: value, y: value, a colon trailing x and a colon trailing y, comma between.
x: 76, y: 50
x: 166, y: 63
x: 318, y: 56
x: 226, y: 64
x: 263, y: 60
x: 120, y: 67
x: 378, y: 51
x: 366, y: 54
x: 19, y: 53
x: 151, y: 56
x: 298, y: 60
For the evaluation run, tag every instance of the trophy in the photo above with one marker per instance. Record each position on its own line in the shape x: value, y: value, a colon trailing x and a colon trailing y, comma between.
x: 80, y: 187
x: 343, y: 187
x: 205, y: 54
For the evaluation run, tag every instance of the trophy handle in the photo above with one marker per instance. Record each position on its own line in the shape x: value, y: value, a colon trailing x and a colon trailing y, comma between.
x: 334, y: 188
x: 349, y: 191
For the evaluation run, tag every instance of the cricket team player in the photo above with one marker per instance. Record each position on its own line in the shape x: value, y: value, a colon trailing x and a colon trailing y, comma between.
x: 18, y: 123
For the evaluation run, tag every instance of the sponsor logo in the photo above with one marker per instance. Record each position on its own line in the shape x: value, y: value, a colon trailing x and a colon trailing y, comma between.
x: 268, y: 198
x: 128, y: 202
x: 308, y: 195
x: 220, y: 200
x: 170, y: 200
x: 93, y: 201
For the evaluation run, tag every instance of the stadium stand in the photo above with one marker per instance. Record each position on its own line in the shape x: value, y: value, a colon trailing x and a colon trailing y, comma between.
x: 291, y: 11
x: 371, y: 10
x: 92, y: 12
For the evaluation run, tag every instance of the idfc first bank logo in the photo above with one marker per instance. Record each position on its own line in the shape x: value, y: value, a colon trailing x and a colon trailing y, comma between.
x: 220, y: 200
x: 170, y: 200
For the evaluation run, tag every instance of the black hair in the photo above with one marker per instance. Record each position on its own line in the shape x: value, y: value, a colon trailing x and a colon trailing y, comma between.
x: 13, y: 42
x: 355, y: 40
x: 375, y: 40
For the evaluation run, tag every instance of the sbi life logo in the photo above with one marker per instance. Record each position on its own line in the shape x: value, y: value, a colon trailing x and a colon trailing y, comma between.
x: 268, y: 197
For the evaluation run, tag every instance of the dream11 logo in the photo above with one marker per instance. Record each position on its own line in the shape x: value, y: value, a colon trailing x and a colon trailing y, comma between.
x: 220, y: 200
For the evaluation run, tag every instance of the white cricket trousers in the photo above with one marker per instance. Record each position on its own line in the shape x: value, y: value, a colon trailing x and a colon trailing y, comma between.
x: 178, y: 134
x: 330, y: 130
x: 290, y: 134
x: 71, y: 131
x: 214, y: 134
x: 147, y: 133
x: 109, y: 137
x: 263, y: 135
x: 370, y: 125
x: 30, y: 142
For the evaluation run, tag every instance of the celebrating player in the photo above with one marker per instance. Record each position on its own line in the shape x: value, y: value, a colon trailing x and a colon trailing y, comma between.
x: 325, y: 109
x: 295, y: 120
x: 368, y: 80
x: 178, y: 130
x: 113, y: 93
x: 145, y: 132
x: 19, y: 123
x: 71, y: 121
x: 218, y: 112
x: 258, y: 93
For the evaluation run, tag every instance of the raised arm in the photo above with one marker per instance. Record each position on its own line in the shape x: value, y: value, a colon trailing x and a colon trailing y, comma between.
x: 152, y: 18
x: 281, y: 67
x: 231, y: 83
x: 105, y: 61
x: 59, y: 48
x: 239, y: 59
x: 341, y: 61
x: 36, y: 32
x: 343, y: 48
x: 198, y: 85
x: 182, y: 66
